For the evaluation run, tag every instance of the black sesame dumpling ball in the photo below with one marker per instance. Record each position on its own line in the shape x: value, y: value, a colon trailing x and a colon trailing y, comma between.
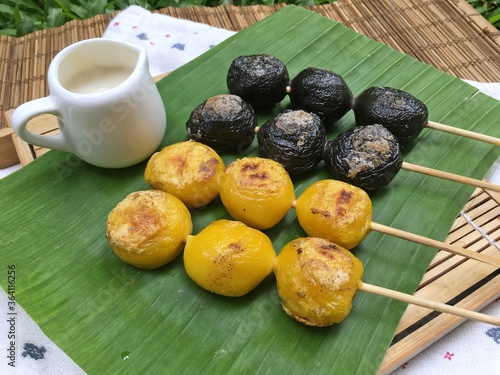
x: 322, y: 92
x: 368, y: 157
x: 399, y: 111
x: 224, y: 122
x: 295, y: 139
x: 261, y: 80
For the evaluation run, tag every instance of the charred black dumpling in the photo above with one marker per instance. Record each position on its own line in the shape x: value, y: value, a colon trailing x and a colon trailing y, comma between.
x: 322, y: 92
x: 365, y: 156
x: 295, y: 139
x: 261, y: 80
x: 399, y: 111
x: 223, y: 122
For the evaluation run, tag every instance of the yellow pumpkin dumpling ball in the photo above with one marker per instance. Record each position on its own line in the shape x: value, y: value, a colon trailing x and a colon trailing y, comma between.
x: 256, y: 191
x: 148, y: 228
x: 317, y: 280
x: 189, y: 170
x: 228, y: 258
x: 336, y: 211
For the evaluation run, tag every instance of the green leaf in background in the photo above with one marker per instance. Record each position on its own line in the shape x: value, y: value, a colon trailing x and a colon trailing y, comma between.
x: 6, y: 9
x: 96, y: 308
x: 16, y: 14
x: 8, y: 32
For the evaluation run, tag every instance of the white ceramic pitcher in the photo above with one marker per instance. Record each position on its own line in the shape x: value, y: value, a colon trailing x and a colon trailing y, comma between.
x: 109, y: 109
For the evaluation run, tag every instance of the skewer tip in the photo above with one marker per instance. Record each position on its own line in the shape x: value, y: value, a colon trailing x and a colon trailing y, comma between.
x: 433, y: 305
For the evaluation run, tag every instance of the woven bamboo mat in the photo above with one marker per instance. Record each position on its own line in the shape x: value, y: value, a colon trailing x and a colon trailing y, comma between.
x: 452, y: 279
x: 448, y: 34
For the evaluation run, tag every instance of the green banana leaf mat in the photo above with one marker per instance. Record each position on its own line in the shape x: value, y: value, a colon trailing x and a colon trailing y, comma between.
x: 111, y: 318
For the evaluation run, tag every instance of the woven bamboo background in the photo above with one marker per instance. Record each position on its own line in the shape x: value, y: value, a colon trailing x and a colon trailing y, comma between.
x: 448, y: 34
x: 452, y: 279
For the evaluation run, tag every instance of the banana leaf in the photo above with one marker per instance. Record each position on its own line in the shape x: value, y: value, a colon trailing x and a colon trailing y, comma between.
x: 112, y: 318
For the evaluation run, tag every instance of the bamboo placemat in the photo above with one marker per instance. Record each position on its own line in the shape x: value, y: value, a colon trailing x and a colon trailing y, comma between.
x: 452, y: 279
x: 448, y: 34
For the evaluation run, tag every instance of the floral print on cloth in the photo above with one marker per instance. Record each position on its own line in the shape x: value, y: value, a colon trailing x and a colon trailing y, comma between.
x: 470, y: 349
x: 170, y: 42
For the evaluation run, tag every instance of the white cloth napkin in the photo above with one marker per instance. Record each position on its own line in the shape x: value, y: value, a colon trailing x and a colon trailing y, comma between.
x: 24, y: 348
x: 473, y: 348
x: 170, y: 43
x: 491, y: 89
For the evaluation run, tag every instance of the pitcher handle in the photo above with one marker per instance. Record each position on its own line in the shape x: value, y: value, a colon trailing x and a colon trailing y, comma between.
x: 25, y: 112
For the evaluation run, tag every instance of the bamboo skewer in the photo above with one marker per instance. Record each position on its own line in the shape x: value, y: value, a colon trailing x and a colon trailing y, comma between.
x: 433, y: 305
x: 334, y: 220
x: 457, y: 250
x: 451, y: 176
x: 464, y: 133
x: 345, y: 223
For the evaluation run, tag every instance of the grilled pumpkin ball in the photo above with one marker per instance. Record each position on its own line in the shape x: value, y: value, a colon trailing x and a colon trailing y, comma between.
x: 317, y: 281
x: 256, y: 191
x: 295, y: 139
x: 189, y: 170
x: 223, y: 122
x: 228, y: 258
x: 403, y: 114
x: 322, y: 92
x: 148, y: 229
x: 261, y: 79
x: 366, y: 156
x: 336, y: 211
